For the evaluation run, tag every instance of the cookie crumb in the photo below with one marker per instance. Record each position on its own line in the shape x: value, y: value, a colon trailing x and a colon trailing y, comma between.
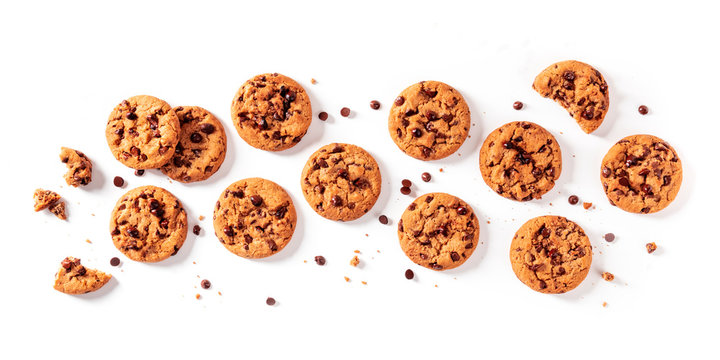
x: 219, y: 293
x: 197, y: 296
x: 347, y: 279
x: 608, y: 276
x: 587, y: 205
x: 201, y: 218
x: 573, y: 199
x: 305, y: 261
x: 604, y: 304
x: 320, y: 260
x: 59, y: 210
x: 364, y: 282
x: 651, y: 247
x: 88, y: 241
x: 436, y: 285
x: 441, y: 170
x: 355, y: 261
x: 313, y: 81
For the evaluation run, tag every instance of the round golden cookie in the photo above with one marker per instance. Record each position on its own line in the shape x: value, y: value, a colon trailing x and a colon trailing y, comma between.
x: 341, y: 182
x: 641, y: 174
x: 577, y: 87
x: 438, y: 231
x: 202, y: 146
x: 148, y: 224
x: 551, y: 254
x: 520, y: 161
x: 254, y: 218
x: 142, y: 132
x: 271, y: 112
x: 429, y: 120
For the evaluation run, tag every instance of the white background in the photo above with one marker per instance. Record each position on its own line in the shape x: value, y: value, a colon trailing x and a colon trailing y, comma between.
x: 64, y: 66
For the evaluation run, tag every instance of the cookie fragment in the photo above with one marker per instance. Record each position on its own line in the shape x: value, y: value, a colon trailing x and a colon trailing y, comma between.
x: 608, y: 276
x: 59, y: 210
x: 73, y: 278
x: 44, y: 199
x: 651, y: 247
x: 79, y: 167
x: 577, y: 87
x: 551, y: 254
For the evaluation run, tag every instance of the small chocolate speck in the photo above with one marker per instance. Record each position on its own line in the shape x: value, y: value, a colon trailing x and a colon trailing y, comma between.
x: 406, y: 183
x: 517, y: 105
x: 609, y: 237
x: 323, y: 116
x: 345, y: 112
x: 573, y: 199
x: 643, y: 110
x: 426, y: 177
x: 409, y: 274
x: 270, y: 301
x: 320, y: 260
x: 383, y: 219
x: 118, y: 181
x: 405, y: 190
x: 196, y: 229
x: 205, y: 284
x: 374, y: 104
x: 115, y: 261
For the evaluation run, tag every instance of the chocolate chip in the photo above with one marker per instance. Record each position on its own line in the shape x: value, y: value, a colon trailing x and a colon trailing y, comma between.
x: 131, y: 116
x: 436, y: 266
x: 454, y: 256
x: 383, y: 219
x: 542, y: 284
x: 205, y: 284
x: 624, y: 181
x: 644, y: 172
x: 345, y: 112
x: 66, y: 263
x: 115, y: 261
x: 270, y: 301
x: 320, y: 260
x: 195, y: 137
x: 426, y: 151
x: 508, y: 145
x: 118, y: 181
x: 139, y: 172
x: 462, y: 210
x: 405, y: 190
x: 227, y: 230
x: 666, y: 180
x: 430, y: 92
x: 416, y: 132
x: 517, y: 105
x: 426, y: 177
x: 573, y: 199
x: 81, y: 270
x: 342, y: 173
x: 132, y: 232
x: 646, y: 188
x: 609, y: 237
x: 589, y: 113
x: 256, y: 200
x: 196, y: 229
x: 406, y: 183
x: 650, y: 247
x: 323, y: 116
x: 569, y: 75
x: 409, y: 274
x: 374, y: 104
x: 643, y: 110
x: 336, y: 201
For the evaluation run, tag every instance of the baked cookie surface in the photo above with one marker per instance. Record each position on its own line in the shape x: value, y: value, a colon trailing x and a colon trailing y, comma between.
x: 641, y: 174
x: 254, y: 218
x: 341, y: 181
x: 429, y: 120
x: 271, y: 112
x: 551, y: 254
x: 520, y: 161
x: 142, y: 132
x: 577, y: 87
x: 79, y: 167
x: 438, y: 231
x: 73, y: 278
x: 148, y: 224
x: 202, y: 146
x: 43, y: 199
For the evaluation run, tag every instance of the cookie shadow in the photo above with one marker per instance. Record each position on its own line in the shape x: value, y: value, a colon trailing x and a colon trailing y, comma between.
x: 108, y: 287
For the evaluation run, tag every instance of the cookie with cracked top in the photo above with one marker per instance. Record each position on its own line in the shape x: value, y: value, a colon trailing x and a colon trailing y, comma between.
x: 73, y: 278
x: 341, y: 181
x: 271, y: 112
x: 429, y: 120
x: 520, y: 161
x: 148, y: 224
x: 202, y: 146
x: 438, y: 231
x: 79, y: 167
x: 254, y: 218
x: 641, y: 174
x: 577, y: 87
x: 551, y: 254
x: 142, y: 132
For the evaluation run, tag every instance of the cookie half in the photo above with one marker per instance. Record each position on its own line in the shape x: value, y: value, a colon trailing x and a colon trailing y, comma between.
x: 577, y: 87
x: 438, y: 231
x: 641, y: 174
x: 254, y: 218
x: 271, y: 112
x: 520, y: 161
x: 551, y: 254
x: 73, y: 278
x: 341, y: 181
x: 148, y: 224
x: 202, y: 146
x: 142, y: 132
x: 429, y: 120
x: 79, y: 167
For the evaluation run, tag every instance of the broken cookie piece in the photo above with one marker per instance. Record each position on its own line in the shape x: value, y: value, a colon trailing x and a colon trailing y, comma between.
x: 59, y: 210
x: 44, y: 199
x: 73, y: 278
x: 79, y: 167
x: 577, y: 87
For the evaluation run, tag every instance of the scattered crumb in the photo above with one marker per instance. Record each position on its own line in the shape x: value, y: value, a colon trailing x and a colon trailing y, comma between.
x: 313, y: 81
x: 59, y: 210
x: 347, y: 279
x: 92, y: 214
x: 488, y: 221
x: 441, y: 170
x: 355, y: 261
x: 608, y: 276
x: 305, y: 261
x: 366, y: 234
x: 201, y: 218
x: 604, y: 304
x: 587, y: 205
x: 357, y: 251
x: 88, y: 241
x: 378, y: 251
x: 364, y: 282
x: 550, y: 204
x: 435, y: 285
x: 651, y: 247
x: 197, y: 296
x: 219, y: 293
x: 194, y: 263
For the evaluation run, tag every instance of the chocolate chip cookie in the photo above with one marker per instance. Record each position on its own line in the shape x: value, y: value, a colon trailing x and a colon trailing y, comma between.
x: 520, y: 161
x: 148, y: 224
x: 438, y: 231
x: 74, y: 279
x: 142, y: 132
x: 341, y: 181
x: 79, y: 167
x: 641, y: 174
x: 578, y: 88
x: 551, y: 254
x: 202, y: 146
x: 271, y: 112
x: 254, y: 218
x: 429, y: 120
